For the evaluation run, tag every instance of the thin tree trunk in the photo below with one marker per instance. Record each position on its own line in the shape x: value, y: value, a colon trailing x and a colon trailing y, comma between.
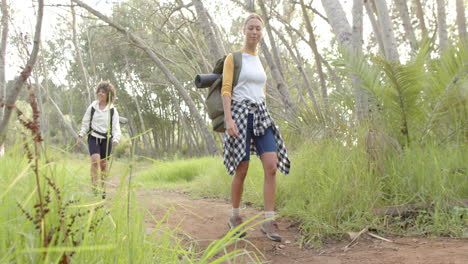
x: 337, y: 18
x: 211, y: 143
x: 46, y: 121
x: 442, y: 25
x: 361, y: 105
x: 24, y: 75
x: 215, y: 49
x: 388, y: 37
x: 280, y: 82
x: 300, y: 65
x: 147, y: 144
x: 274, y: 48
x: 40, y: 105
x: 352, y: 42
x: 318, y: 63
x: 67, y: 124
x: 79, y: 57
x: 420, y: 15
x: 461, y: 21
x: 402, y: 7
x: 3, y: 47
x: 375, y: 26
x: 217, y: 34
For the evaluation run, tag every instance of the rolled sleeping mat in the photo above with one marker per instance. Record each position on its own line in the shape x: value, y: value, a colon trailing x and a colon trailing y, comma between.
x: 206, y: 80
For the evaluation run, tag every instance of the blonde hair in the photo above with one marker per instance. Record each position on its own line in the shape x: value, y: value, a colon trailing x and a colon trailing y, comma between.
x: 253, y: 16
x: 108, y: 89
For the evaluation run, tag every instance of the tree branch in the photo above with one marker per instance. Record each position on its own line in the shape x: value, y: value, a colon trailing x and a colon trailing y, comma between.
x: 24, y: 75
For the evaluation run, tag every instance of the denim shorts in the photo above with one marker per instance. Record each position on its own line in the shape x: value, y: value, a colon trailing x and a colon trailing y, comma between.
x: 99, y: 146
x: 265, y: 143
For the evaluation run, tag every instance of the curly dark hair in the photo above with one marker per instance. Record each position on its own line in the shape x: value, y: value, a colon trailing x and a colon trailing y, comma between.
x: 108, y: 89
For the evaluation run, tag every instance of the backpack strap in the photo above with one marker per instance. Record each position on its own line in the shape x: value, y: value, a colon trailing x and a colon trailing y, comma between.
x: 237, y: 67
x: 91, y: 119
x: 111, y: 117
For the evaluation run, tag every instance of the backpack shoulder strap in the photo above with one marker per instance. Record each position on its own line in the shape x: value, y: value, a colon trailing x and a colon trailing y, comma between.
x: 91, y: 118
x: 111, y: 117
x: 237, y: 67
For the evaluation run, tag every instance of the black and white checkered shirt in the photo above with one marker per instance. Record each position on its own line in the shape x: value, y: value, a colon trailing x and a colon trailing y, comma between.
x: 234, y: 147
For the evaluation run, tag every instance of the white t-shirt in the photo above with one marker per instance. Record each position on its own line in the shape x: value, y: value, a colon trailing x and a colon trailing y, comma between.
x: 252, y: 80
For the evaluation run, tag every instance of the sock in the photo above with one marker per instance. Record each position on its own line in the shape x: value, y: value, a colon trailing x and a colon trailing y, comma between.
x: 235, y: 211
x: 269, y: 214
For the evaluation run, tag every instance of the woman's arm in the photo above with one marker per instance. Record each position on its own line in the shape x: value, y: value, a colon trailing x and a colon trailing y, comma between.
x: 229, y: 123
x: 226, y: 94
x: 85, y: 122
x: 84, y: 125
x: 116, y: 132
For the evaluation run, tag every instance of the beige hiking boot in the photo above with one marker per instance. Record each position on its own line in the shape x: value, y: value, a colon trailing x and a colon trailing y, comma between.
x: 270, y: 229
x: 235, y: 221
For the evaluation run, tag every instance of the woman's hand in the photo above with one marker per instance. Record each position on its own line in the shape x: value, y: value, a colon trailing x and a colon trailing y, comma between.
x: 114, y: 144
x: 231, y: 127
x: 78, y: 141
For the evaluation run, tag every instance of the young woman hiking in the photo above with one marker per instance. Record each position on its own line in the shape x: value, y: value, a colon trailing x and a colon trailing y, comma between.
x: 101, y: 125
x: 249, y: 127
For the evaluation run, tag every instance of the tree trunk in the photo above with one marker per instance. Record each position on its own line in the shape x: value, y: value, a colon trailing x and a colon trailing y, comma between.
x: 68, y: 125
x: 461, y: 21
x: 207, y: 28
x: 146, y: 140
x: 24, y: 75
x: 375, y: 26
x: 402, y: 7
x: 3, y: 46
x: 388, y: 37
x: 39, y: 101
x: 300, y: 66
x: 442, y: 25
x: 217, y: 34
x: 79, y: 57
x: 352, y: 42
x: 318, y: 63
x: 209, y: 139
x: 274, y: 48
x: 339, y: 23
x: 280, y: 82
x: 420, y: 15
x: 361, y: 105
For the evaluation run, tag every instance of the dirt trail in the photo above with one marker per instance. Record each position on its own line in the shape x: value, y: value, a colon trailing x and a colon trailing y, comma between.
x: 206, y: 220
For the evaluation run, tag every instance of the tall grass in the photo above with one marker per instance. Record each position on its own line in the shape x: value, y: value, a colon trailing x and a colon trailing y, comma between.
x: 84, y: 228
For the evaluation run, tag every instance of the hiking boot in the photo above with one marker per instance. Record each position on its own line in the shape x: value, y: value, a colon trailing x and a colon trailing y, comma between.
x: 103, y: 195
x: 235, y: 221
x: 270, y: 229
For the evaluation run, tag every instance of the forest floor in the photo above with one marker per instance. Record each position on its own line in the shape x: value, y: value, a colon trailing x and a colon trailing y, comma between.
x: 205, y: 220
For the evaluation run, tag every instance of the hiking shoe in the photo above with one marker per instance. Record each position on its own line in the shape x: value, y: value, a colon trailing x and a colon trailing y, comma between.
x: 103, y: 195
x: 270, y: 229
x: 235, y: 221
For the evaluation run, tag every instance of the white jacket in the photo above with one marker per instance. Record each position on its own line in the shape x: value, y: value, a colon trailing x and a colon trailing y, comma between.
x: 100, y: 121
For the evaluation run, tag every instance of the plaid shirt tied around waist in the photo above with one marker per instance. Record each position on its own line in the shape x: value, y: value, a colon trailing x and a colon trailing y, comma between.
x: 234, y: 147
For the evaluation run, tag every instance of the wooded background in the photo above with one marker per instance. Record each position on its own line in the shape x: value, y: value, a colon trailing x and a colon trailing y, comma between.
x: 393, y: 72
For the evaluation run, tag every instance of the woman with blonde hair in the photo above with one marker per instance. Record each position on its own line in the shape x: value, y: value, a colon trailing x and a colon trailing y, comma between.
x: 101, y: 125
x: 250, y: 128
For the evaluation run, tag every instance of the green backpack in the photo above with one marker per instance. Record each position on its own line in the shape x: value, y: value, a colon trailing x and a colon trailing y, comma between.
x: 214, y: 101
